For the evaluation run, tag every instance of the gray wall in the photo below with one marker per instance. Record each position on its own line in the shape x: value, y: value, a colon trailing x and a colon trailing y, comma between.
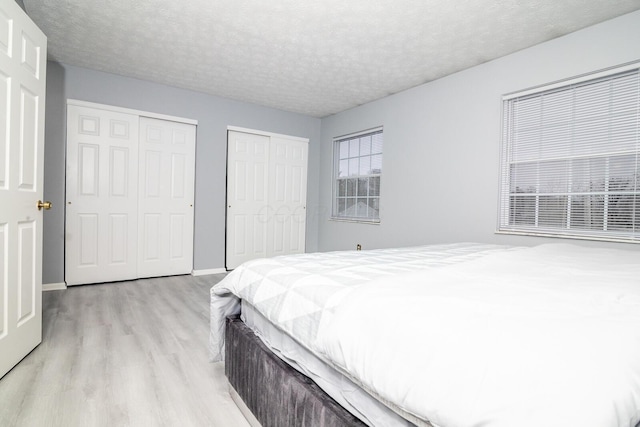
x: 214, y: 114
x: 54, y: 175
x: 442, y: 141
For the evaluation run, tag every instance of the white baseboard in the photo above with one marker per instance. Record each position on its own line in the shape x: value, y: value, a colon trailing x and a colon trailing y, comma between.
x: 54, y: 286
x: 207, y: 272
x: 253, y: 421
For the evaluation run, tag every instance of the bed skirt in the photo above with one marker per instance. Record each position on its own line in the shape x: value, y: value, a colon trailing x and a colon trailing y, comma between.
x: 276, y: 394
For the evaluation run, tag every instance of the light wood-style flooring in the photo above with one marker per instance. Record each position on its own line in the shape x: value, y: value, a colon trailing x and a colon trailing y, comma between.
x: 122, y: 354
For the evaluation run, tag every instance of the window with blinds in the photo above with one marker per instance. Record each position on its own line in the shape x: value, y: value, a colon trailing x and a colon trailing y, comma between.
x: 357, y: 172
x: 571, y: 159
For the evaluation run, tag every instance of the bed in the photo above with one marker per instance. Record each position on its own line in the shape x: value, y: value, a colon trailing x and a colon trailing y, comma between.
x: 441, y: 335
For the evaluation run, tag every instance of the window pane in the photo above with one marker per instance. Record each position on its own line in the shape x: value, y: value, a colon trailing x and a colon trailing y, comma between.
x: 522, y: 210
x: 636, y: 220
x: 621, y: 211
x: 365, y: 165
x: 363, y: 186
x: 365, y: 145
x: 587, y: 212
x: 376, y: 163
x: 552, y: 211
x: 553, y: 176
x: 353, y: 166
x: 362, y: 208
x: 341, y: 206
x: 343, y: 170
x: 376, y: 143
x: 354, y: 148
x: 374, y: 186
x: 622, y: 173
x: 342, y: 187
x: 374, y: 207
x: 524, y: 178
x: 344, y: 149
x: 350, y: 210
x: 351, y: 187
x: 587, y: 175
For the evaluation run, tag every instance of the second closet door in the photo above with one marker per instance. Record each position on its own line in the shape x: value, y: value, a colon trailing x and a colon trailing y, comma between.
x: 166, y: 188
x: 266, y: 196
x: 247, y: 197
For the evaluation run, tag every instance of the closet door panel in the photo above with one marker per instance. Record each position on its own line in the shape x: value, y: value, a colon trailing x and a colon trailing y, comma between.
x: 101, y: 193
x: 247, y: 206
x: 288, y: 195
x: 166, y: 185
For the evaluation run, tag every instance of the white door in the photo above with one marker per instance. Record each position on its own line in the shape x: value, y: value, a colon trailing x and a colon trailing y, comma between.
x: 102, y: 196
x: 266, y: 196
x: 23, y: 53
x: 166, y: 195
x: 247, y: 190
x: 287, y: 196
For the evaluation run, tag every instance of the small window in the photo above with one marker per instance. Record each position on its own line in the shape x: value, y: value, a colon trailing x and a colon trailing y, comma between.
x: 571, y: 159
x: 357, y: 170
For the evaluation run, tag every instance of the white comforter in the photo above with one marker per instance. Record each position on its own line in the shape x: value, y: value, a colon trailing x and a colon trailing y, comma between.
x: 296, y: 291
x: 547, y: 336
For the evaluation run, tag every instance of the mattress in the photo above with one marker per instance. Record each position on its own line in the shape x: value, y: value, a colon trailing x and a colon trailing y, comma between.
x: 493, y: 336
x: 339, y: 387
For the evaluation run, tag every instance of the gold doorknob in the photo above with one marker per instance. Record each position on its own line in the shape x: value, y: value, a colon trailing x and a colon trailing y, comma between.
x: 45, y: 205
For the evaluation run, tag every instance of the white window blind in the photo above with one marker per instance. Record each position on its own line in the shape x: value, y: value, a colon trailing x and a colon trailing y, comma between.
x: 571, y: 159
x: 357, y: 172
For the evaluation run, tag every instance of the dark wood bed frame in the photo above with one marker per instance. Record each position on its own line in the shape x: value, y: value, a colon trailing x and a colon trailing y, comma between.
x: 276, y: 394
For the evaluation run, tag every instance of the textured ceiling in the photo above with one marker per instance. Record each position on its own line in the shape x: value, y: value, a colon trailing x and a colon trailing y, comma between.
x: 315, y: 57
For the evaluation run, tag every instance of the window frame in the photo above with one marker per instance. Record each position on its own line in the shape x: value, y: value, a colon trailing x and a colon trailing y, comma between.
x: 334, y: 177
x: 506, y: 222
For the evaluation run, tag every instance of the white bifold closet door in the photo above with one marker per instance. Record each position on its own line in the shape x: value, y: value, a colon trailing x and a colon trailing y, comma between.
x: 165, y: 198
x: 130, y: 183
x: 266, y: 196
x: 102, y: 196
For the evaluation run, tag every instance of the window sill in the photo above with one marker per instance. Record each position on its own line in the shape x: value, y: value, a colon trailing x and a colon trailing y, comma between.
x: 569, y: 236
x: 356, y: 220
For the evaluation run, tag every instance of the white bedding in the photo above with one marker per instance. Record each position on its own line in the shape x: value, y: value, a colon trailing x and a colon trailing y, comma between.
x: 545, y: 336
x: 295, y: 291
x: 348, y: 395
